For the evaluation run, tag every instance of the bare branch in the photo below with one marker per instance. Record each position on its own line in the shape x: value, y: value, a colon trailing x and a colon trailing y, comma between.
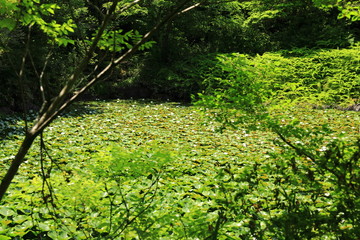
x: 50, y: 115
x: 21, y: 76
x: 129, y: 5
x: 40, y: 76
x: 191, y: 7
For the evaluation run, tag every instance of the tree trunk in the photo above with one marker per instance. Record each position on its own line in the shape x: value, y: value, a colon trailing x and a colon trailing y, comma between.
x: 16, y: 162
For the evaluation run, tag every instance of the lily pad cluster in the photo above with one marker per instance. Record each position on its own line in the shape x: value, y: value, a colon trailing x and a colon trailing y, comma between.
x: 160, y: 170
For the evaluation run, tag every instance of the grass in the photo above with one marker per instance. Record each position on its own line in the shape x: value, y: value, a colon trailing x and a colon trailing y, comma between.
x: 150, y: 170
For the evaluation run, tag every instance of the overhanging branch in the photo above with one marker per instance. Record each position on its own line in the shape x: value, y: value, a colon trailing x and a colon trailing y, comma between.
x: 61, y: 102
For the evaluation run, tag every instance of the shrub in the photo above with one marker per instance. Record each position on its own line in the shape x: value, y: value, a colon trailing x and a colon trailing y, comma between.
x: 321, y: 77
x: 328, y: 77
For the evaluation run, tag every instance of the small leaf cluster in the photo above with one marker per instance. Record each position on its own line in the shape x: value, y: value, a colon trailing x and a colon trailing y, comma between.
x: 116, y: 41
x: 33, y: 12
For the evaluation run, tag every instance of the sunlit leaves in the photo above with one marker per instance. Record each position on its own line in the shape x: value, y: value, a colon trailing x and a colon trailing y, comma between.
x: 309, y: 156
x: 323, y: 77
x: 348, y: 9
x: 7, y: 9
x: 113, y: 160
x: 293, y: 77
x: 115, y: 41
x: 30, y: 13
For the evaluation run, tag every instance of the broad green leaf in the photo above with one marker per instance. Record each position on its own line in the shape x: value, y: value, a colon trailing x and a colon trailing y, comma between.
x: 5, y: 211
x: 3, y: 237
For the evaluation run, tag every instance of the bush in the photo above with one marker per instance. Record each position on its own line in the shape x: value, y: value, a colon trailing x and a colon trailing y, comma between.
x: 309, y: 189
x: 317, y: 77
x: 324, y: 77
x: 183, y: 78
x: 328, y: 77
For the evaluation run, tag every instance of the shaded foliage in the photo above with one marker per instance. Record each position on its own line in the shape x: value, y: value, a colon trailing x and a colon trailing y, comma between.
x: 247, y: 27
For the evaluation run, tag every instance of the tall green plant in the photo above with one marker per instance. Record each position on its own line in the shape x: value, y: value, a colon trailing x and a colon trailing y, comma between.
x: 299, y: 76
x: 231, y: 87
x: 314, y: 176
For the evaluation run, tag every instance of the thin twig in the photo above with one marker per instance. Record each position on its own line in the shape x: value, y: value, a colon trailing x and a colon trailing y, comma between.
x: 155, y: 182
x: 40, y: 76
x: 21, y: 77
x: 129, y: 6
x: 52, y: 110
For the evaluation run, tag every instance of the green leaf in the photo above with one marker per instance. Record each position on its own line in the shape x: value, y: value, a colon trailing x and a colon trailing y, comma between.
x: 21, y: 218
x: 5, y: 211
x: 27, y: 19
x: 2, y: 237
x: 58, y: 235
x: 64, y: 41
x: 44, y: 226
x: 68, y: 28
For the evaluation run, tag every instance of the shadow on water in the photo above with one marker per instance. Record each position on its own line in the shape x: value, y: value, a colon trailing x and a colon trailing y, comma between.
x: 143, y: 102
x: 83, y: 108
x: 12, y: 123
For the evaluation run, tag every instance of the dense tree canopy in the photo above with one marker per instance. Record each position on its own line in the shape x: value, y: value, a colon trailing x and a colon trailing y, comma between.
x: 60, y: 33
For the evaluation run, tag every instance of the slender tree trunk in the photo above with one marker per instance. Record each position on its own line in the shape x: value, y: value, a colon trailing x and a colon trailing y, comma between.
x: 16, y: 162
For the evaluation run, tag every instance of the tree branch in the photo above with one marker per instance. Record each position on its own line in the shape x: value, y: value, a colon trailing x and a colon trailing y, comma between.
x: 62, y: 101
x: 58, y: 101
x: 49, y: 115
x: 49, y: 118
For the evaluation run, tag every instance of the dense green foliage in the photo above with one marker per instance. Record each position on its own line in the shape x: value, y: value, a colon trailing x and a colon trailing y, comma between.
x: 142, y: 170
x: 60, y: 33
x: 298, y: 76
x: 273, y: 156
x: 319, y: 77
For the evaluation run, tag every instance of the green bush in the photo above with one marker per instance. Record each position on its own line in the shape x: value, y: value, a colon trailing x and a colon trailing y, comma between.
x: 309, y: 189
x: 316, y: 77
x: 114, y: 197
x: 325, y: 77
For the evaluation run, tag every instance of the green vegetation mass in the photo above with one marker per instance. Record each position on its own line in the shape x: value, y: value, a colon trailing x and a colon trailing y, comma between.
x: 144, y: 170
x: 197, y: 119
